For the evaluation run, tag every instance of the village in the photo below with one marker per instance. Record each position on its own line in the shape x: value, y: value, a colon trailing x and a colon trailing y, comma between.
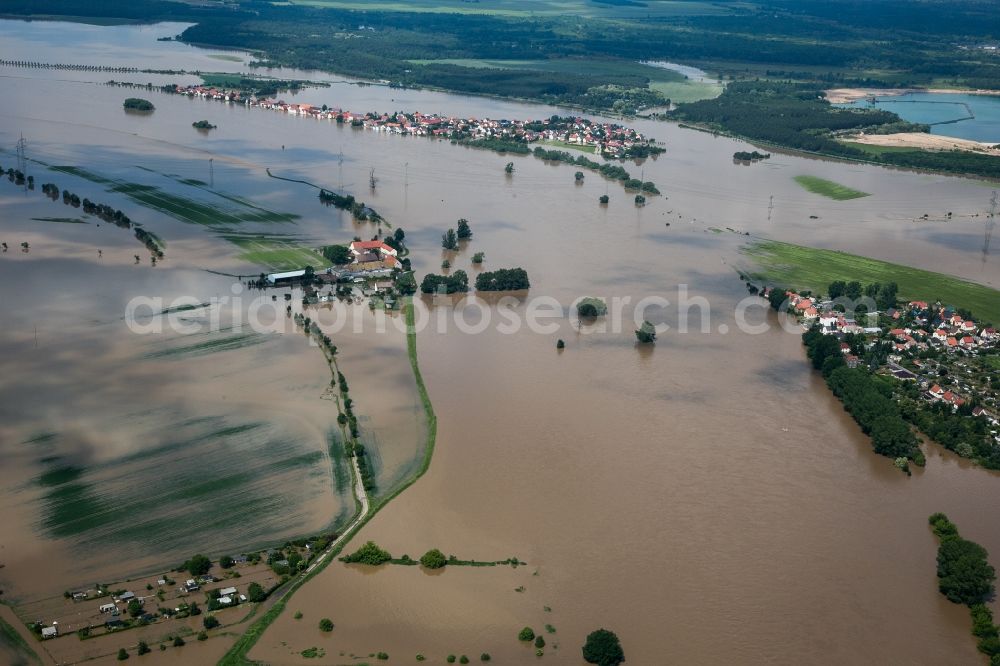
x: 198, y: 599
x: 947, y: 360
x: 607, y: 139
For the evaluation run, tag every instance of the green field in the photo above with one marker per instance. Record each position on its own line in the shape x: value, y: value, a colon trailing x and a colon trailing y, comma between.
x: 798, y: 267
x: 877, y: 150
x: 275, y: 252
x: 828, y: 188
x: 571, y: 146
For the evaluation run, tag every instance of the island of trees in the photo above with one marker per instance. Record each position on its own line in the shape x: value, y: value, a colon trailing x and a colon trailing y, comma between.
x: 203, y: 125
x: 138, y: 104
x: 754, y: 156
x: 503, y: 279
x: 966, y: 577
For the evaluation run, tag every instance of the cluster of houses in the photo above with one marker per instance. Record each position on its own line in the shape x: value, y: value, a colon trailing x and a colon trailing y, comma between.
x: 609, y: 139
x: 370, y: 259
x: 919, y: 327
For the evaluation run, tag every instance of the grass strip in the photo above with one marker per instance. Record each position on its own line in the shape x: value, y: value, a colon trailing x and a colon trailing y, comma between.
x: 828, y: 188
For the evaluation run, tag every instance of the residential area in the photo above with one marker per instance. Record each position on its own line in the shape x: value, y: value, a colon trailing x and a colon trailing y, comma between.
x: 607, y: 139
x: 943, y: 362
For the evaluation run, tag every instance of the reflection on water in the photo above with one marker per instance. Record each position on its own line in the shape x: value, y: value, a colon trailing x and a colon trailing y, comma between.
x: 707, y: 499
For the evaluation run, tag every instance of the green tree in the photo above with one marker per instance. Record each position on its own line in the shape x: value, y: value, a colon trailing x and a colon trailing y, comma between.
x: 527, y: 634
x: 604, y: 199
x: 326, y: 625
x: 142, y: 648
x: 964, y: 574
x: 256, y: 593
x: 464, y: 231
x: 591, y: 307
x: 539, y: 641
x: 449, y: 241
x: 138, y: 104
x: 646, y: 334
x: 406, y: 283
x: 226, y: 562
x: 578, y: 176
x: 198, y: 565
x: 433, y: 559
x: 134, y: 608
x: 837, y: 289
x: 603, y: 648
x: 122, y: 654
x: 338, y: 254
x: 478, y: 257
x: 485, y: 657
x: 370, y: 554
x: 509, y: 169
x: 853, y: 290
x: 210, y: 622
x: 178, y: 641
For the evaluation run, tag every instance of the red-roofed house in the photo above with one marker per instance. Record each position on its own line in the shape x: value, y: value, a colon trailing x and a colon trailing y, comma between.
x: 359, y: 248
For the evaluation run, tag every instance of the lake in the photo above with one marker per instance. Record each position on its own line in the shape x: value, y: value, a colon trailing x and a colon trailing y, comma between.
x: 708, y: 499
x: 964, y: 116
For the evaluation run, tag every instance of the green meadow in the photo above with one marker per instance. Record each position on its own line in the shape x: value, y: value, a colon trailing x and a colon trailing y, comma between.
x: 828, y: 188
x: 798, y: 267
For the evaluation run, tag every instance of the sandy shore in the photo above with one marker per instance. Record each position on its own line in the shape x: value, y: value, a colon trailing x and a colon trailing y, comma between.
x: 924, y: 142
x: 848, y: 95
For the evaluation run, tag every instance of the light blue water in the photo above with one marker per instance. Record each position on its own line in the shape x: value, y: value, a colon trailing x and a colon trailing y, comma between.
x: 974, y: 117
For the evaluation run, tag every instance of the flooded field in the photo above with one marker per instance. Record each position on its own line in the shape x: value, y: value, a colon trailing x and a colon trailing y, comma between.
x: 707, y: 499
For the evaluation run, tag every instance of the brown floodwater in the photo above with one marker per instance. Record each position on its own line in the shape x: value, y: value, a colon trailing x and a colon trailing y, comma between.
x: 707, y: 499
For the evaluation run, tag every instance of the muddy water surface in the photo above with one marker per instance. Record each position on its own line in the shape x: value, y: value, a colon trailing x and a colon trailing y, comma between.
x: 706, y: 498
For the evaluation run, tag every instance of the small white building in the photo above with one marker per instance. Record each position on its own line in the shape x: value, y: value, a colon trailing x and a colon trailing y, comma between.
x: 50, y: 632
x: 227, y: 591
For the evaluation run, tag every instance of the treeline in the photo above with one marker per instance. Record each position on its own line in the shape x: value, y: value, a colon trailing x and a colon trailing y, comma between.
x: 359, y: 211
x: 866, y: 397
x: 503, y: 279
x: 346, y: 417
x: 107, y: 214
x: 608, y: 170
x: 965, y: 576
